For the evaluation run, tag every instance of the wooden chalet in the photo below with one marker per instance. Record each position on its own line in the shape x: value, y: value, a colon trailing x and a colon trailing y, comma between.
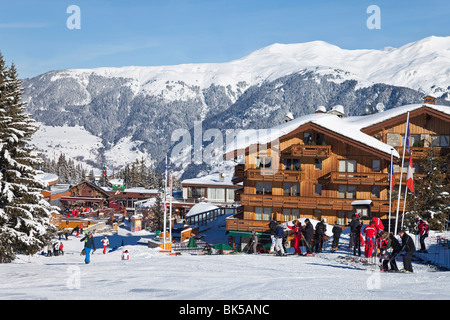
x: 317, y: 165
x: 86, y: 194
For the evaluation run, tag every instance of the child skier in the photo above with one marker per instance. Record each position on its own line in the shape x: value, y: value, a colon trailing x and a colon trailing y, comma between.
x: 298, y: 236
x: 105, y: 243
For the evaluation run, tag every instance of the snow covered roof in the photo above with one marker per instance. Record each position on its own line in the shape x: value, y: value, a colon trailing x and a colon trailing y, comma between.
x: 211, y: 179
x: 349, y: 127
x: 201, y: 207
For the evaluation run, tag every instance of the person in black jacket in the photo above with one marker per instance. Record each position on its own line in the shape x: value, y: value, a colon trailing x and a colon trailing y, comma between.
x: 337, y: 230
x: 308, y: 234
x: 354, y: 233
x: 357, y: 239
x: 88, y: 246
x: 321, y: 228
x: 273, y: 233
x: 391, y: 242
x: 409, y: 248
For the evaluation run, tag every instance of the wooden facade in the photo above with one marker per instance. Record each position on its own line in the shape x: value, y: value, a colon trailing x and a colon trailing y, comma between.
x: 318, y: 172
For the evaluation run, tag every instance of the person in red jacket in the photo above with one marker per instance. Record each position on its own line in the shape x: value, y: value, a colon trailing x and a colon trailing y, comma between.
x: 298, y: 236
x: 371, y: 233
x: 378, y: 224
x: 423, y: 233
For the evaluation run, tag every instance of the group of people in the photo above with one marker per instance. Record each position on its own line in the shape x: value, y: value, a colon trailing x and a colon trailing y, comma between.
x: 55, y: 249
x: 379, y: 240
x: 313, y: 241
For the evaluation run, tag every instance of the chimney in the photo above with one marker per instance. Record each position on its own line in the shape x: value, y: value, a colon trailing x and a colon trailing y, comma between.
x: 429, y: 99
x: 321, y: 109
x: 288, y: 117
x: 221, y: 177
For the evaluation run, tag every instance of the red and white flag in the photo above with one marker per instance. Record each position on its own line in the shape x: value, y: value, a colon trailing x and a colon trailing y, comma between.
x: 409, y: 175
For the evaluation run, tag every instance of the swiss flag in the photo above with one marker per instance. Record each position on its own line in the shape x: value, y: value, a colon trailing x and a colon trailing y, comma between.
x: 409, y: 175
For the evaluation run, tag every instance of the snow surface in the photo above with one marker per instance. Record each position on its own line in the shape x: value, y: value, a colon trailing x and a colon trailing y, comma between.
x: 150, y: 274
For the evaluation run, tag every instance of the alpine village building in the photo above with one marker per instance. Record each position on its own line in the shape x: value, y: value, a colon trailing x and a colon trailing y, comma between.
x: 325, y: 165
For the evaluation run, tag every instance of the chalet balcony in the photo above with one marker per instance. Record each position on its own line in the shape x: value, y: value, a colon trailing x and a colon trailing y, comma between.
x: 313, y: 151
x: 236, y: 224
x: 421, y: 152
x: 322, y: 203
x: 356, y: 178
x: 274, y: 175
x: 238, y: 173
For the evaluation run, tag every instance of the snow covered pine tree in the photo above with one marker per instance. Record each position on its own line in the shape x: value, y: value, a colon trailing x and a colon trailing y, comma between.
x: 24, y: 214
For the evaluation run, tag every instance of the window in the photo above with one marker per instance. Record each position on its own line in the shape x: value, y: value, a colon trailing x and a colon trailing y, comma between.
x: 347, y: 165
x: 292, y: 164
x: 307, y: 138
x: 263, y: 162
x: 230, y: 195
x: 346, y: 192
x: 376, y: 165
x: 263, y: 213
x: 375, y: 191
x: 291, y: 189
x: 320, y: 139
x: 291, y: 214
x: 263, y: 188
x: 216, y: 194
x: 444, y: 141
x: 194, y: 192
x: 318, y: 164
x: 317, y: 189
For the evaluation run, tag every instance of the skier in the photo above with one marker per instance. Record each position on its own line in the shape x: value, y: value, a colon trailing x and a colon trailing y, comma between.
x: 279, y: 241
x: 356, y: 239
x: 308, y: 233
x: 253, y: 242
x: 354, y: 233
x: 390, y: 242
x: 105, y: 243
x: 273, y: 232
x: 409, y: 248
x: 371, y: 233
x: 337, y: 229
x: 125, y: 255
x: 378, y: 224
x: 88, y: 246
x: 321, y: 228
x: 61, y: 249
x: 297, y: 236
x: 423, y: 233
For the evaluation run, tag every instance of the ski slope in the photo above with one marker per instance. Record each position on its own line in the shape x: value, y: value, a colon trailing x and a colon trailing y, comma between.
x: 150, y: 274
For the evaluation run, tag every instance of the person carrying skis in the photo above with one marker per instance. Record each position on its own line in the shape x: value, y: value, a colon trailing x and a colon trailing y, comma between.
x: 88, y: 246
x: 321, y: 228
x: 371, y: 234
x: 297, y: 236
x: 273, y: 233
x: 423, y: 234
x: 105, y: 243
x: 409, y: 248
x: 308, y: 234
x: 337, y: 230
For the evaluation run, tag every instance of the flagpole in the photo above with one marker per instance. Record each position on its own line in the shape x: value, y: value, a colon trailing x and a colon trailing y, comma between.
x: 407, y: 186
x: 391, y: 187
x: 170, y: 212
x: 401, y: 174
x: 165, y: 208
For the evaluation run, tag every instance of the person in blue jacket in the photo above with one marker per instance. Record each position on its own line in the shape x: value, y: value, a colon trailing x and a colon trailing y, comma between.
x: 88, y: 246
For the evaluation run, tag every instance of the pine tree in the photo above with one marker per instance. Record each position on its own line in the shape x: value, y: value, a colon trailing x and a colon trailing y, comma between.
x: 432, y: 193
x: 24, y: 214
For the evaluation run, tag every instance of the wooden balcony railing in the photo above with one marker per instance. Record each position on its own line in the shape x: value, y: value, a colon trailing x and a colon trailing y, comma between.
x: 421, y: 152
x: 315, y: 151
x: 323, y: 203
x: 356, y: 178
x: 274, y: 175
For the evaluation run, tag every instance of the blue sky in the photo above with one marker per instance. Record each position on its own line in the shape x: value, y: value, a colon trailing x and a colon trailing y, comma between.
x: 34, y: 34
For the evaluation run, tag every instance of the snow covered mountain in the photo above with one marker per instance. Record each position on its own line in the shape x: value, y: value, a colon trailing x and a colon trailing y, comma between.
x: 135, y: 109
